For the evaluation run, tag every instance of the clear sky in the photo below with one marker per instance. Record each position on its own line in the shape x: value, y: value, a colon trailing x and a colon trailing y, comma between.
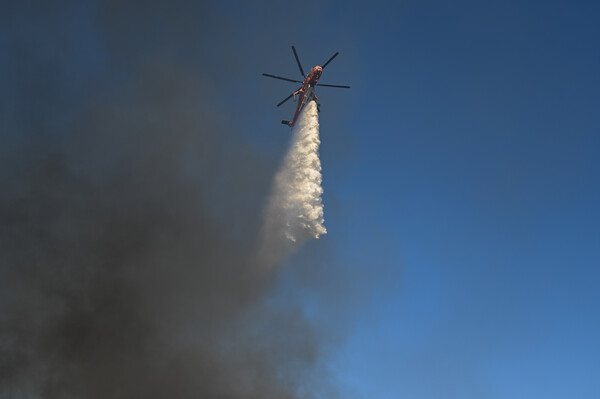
x: 461, y: 174
x: 469, y: 176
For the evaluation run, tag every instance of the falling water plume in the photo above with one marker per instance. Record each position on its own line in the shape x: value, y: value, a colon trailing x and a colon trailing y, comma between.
x: 295, y: 211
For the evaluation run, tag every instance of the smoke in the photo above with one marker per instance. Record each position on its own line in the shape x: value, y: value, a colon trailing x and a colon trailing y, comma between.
x: 295, y: 211
x: 129, y: 215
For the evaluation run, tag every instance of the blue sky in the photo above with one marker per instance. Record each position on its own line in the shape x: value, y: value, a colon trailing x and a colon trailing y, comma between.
x: 467, y: 190
x: 461, y: 176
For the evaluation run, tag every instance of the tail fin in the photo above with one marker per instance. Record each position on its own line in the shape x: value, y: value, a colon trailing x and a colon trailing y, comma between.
x: 286, y: 123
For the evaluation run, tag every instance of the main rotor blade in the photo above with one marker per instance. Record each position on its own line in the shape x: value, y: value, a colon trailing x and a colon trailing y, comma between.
x: 298, y: 61
x: 285, y: 99
x: 331, y: 59
x: 279, y: 77
x: 341, y: 87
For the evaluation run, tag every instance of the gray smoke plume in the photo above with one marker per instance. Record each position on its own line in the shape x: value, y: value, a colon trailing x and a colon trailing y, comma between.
x: 129, y: 217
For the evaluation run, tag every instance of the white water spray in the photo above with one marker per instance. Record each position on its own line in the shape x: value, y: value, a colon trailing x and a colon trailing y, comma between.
x: 295, y: 211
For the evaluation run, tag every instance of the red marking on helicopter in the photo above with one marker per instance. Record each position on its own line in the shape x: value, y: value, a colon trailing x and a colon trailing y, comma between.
x: 306, y: 92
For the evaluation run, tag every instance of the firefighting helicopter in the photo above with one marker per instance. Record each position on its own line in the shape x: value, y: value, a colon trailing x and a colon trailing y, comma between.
x: 306, y: 92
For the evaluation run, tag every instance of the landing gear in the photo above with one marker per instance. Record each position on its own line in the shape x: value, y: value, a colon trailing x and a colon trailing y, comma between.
x: 296, y: 92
